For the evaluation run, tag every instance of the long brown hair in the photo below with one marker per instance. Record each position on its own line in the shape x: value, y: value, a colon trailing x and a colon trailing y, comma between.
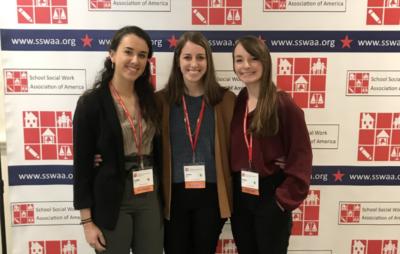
x: 175, y: 87
x: 143, y: 88
x: 265, y: 120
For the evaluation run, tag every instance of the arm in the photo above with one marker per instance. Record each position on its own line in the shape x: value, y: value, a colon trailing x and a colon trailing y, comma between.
x: 291, y: 193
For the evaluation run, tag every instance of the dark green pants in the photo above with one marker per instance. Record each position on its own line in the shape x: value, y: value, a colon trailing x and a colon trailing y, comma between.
x: 139, y: 227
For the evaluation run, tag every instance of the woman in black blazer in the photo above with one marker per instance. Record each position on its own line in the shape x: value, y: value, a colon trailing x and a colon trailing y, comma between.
x: 118, y: 200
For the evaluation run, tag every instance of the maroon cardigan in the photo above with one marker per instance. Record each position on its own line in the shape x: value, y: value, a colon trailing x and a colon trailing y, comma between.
x: 292, y: 141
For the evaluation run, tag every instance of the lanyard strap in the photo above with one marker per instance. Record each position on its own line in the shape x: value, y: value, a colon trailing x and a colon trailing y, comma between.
x: 193, y: 142
x: 138, y: 140
x: 248, y: 141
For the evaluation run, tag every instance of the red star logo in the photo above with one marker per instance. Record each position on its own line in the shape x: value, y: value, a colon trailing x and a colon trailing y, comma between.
x: 87, y: 41
x: 338, y: 176
x: 346, y: 42
x: 172, y: 41
x: 261, y: 38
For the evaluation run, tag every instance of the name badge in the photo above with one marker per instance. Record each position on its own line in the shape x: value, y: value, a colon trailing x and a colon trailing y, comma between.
x: 195, y: 176
x: 249, y: 182
x: 143, y: 181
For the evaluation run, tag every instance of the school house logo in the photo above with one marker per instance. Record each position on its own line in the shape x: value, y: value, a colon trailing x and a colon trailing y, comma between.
x: 358, y: 83
x: 379, y: 137
x: 100, y: 4
x: 374, y: 246
x: 23, y: 214
x: 350, y: 213
x: 47, y: 135
x: 383, y: 12
x: 216, y: 12
x: 53, y: 247
x: 306, y: 216
x: 16, y: 81
x: 42, y: 11
x: 304, y: 79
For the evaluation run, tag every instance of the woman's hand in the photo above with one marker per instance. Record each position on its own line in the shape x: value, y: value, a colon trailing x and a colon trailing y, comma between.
x: 97, y: 160
x: 94, y: 237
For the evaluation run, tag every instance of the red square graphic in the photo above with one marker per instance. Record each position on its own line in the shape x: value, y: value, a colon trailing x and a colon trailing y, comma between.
x: 42, y: 12
x: 374, y: 16
x: 358, y: 83
x: 31, y: 119
x: 318, y: 66
x: 49, y: 152
x: 25, y: 14
x: 25, y: 2
x: 382, y: 137
x: 64, y: 135
x: 366, y: 137
x: 390, y: 246
x: 47, y: 119
x: 367, y: 121
x: 301, y: 99
x: 359, y: 246
x: 42, y: 15
x: 311, y: 213
x: 306, y: 217
x: 60, y: 2
x: 301, y: 65
x: 64, y: 119
x: 374, y: 246
x: 200, y: 3
x: 350, y: 213
x: 100, y: 4
x: 233, y: 16
x: 376, y: 3
x: 37, y: 247
x: 48, y: 137
x: 381, y: 153
x: 17, y: 81
x: 53, y: 247
x: 365, y: 153
x: 285, y: 66
x: 384, y: 120
x: 69, y: 247
x: 318, y: 83
x: 311, y: 228
x: 199, y: 16
x: 226, y: 246
x: 317, y: 100
x: 32, y: 151
x: 32, y: 135
x: 301, y: 83
x: 59, y: 15
x: 275, y: 4
x: 23, y: 214
x: 285, y: 82
x: 217, y: 16
x: 392, y: 16
x: 234, y: 3
x: 395, y: 137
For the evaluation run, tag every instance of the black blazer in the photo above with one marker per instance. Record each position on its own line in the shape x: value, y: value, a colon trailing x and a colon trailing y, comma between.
x: 97, y: 130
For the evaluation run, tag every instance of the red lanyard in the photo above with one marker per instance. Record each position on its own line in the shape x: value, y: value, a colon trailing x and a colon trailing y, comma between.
x: 193, y: 142
x: 249, y: 142
x: 138, y: 140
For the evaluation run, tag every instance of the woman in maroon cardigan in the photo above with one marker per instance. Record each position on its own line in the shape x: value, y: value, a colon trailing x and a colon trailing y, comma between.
x: 267, y: 127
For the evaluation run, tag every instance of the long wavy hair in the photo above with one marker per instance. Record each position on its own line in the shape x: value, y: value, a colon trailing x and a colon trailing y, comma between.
x: 265, y: 120
x: 175, y: 87
x: 143, y: 87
